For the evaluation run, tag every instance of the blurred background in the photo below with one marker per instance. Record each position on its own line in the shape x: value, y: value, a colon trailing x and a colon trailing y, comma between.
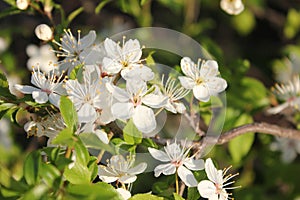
x: 254, y: 49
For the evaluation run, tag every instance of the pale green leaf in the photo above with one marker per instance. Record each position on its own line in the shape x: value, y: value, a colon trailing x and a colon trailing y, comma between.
x: 131, y: 134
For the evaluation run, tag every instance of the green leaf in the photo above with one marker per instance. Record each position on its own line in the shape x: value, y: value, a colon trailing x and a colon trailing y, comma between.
x: 78, y: 174
x: 131, y: 134
x: 143, y: 2
x: 64, y: 137
x: 101, y: 5
x: 68, y: 112
x: 74, y: 14
x: 93, y: 167
x: 31, y: 167
x: 149, y: 60
x: 76, y: 73
x: 90, y: 191
x: 145, y: 197
x: 4, y: 87
x: 244, y: 22
x: 90, y: 140
x: 177, y: 197
x: 149, y: 143
x: 82, y: 154
x: 193, y: 193
x: 37, y: 192
x: 292, y: 24
x: 9, y: 11
x: 48, y: 173
x: 241, y: 145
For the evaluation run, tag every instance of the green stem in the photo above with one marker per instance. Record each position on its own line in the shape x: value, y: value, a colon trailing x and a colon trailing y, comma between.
x: 176, y: 182
x: 68, y: 152
x: 161, y: 109
x: 99, y: 157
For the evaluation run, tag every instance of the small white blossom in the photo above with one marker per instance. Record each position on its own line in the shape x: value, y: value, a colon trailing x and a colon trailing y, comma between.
x: 131, y: 103
x: 201, y: 78
x: 289, y: 93
x: 44, y: 32
x: 177, y: 162
x: 22, y: 4
x: 74, y: 51
x: 125, y: 59
x: 42, y: 56
x: 232, y: 7
x: 3, y: 44
x: 91, y: 97
x: 119, y: 169
x: 124, y: 193
x: 215, y: 188
x: 48, y: 87
x: 289, y: 148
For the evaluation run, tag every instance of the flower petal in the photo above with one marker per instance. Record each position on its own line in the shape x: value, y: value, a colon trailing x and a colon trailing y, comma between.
x: 188, y: 67
x: 124, y: 193
x: 193, y: 164
x: 102, y: 136
x: 128, y: 178
x: 132, y: 50
x: 144, y: 119
x: 159, y: 155
x: 187, y: 82
x: 111, y: 66
x: 155, y: 101
x: 166, y: 169
x: 54, y: 99
x: 86, y: 113
x: 26, y: 89
x: 201, y: 92
x: 187, y: 176
x: 216, y: 85
x: 105, y: 175
x: 209, y: 69
x: 122, y: 110
x: 207, y: 189
x: 40, y: 97
x: 87, y: 40
x: 138, y: 169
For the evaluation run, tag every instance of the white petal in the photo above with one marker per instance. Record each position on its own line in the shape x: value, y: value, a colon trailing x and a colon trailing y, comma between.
x: 87, y: 113
x: 207, y: 189
x: 209, y: 69
x: 159, y: 155
x: 26, y: 89
x: 40, y: 97
x: 155, y: 101
x: 188, y: 67
x: 132, y: 50
x: 105, y: 175
x: 278, y: 109
x: 193, y: 164
x: 102, y: 136
x: 111, y: 48
x: 122, y: 110
x: 136, y: 86
x: 54, y: 99
x: 211, y: 171
x: 166, y: 169
x: 118, y: 93
x: 111, y: 66
x: 180, y: 107
x: 187, y: 176
x: 137, y: 72
x: 144, y: 119
x: 187, y: 82
x: 124, y: 193
x: 127, y: 178
x: 201, y: 92
x: 216, y: 85
x: 138, y: 169
x: 87, y: 40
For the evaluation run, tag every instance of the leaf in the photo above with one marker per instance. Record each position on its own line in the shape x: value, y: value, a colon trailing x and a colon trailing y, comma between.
x: 149, y: 60
x: 101, y: 5
x: 37, y: 192
x: 143, y: 2
x: 244, y: 22
x: 31, y: 167
x: 145, y: 197
x: 193, y: 193
x: 48, y: 173
x: 64, y: 137
x: 99, y: 190
x: 74, y: 14
x: 9, y: 11
x: 177, y: 197
x: 68, y: 112
x: 93, y: 167
x: 90, y: 140
x: 4, y: 87
x: 131, y: 134
x: 82, y: 154
x: 76, y: 73
x: 241, y: 145
x: 78, y: 174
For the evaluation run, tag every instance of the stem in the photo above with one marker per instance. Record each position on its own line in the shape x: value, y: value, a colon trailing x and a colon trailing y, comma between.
x: 68, y: 152
x: 99, y: 157
x: 161, y: 109
x: 176, y: 182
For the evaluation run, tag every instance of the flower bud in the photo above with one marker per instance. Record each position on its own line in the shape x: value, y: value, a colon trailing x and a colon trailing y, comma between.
x: 232, y: 7
x: 44, y: 32
x: 22, y: 4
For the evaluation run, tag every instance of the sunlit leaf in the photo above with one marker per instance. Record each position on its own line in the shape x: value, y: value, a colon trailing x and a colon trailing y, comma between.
x: 68, y: 112
x: 131, y: 134
x: 31, y: 167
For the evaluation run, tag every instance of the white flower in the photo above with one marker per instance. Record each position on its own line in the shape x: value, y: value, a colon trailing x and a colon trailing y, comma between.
x: 3, y: 44
x: 41, y: 56
x: 125, y: 59
x: 232, y: 7
x: 119, y: 169
x: 124, y: 193
x: 289, y: 148
x: 22, y: 4
x: 215, y: 188
x: 92, y: 128
x: 130, y: 104
x: 48, y: 87
x: 91, y: 97
x: 74, y: 51
x: 290, y: 93
x: 201, y: 78
x: 177, y: 162
x: 174, y: 92
x: 44, y: 32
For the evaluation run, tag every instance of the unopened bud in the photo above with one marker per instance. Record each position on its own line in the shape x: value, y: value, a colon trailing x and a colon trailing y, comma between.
x: 232, y: 7
x: 44, y: 32
x: 22, y: 4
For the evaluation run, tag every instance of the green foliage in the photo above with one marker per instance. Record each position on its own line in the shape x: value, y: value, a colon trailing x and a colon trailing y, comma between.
x: 145, y: 197
x: 292, y: 24
x: 68, y: 113
x: 131, y: 134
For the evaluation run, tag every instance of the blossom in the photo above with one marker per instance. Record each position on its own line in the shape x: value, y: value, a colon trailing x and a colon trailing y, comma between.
x: 202, y: 79
x: 289, y: 93
x: 177, y: 162
x: 44, y: 32
x: 41, y: 56
x: 3, y: 44
x: 125, y: 59
x: 90, y: 97
x: 174, y: 92
x: 232, y: 7
x: 124, y: 193
x: 22, y: 4
x: 48, y: 87
x: 215, y: 188
x: 74, y: 51
x: 131, y: 103
x: 289, y: 148
x: 119, y: 169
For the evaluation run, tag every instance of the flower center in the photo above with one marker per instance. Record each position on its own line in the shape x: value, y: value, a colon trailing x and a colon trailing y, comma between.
x: 199, y: 81
x: 136, y: 100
